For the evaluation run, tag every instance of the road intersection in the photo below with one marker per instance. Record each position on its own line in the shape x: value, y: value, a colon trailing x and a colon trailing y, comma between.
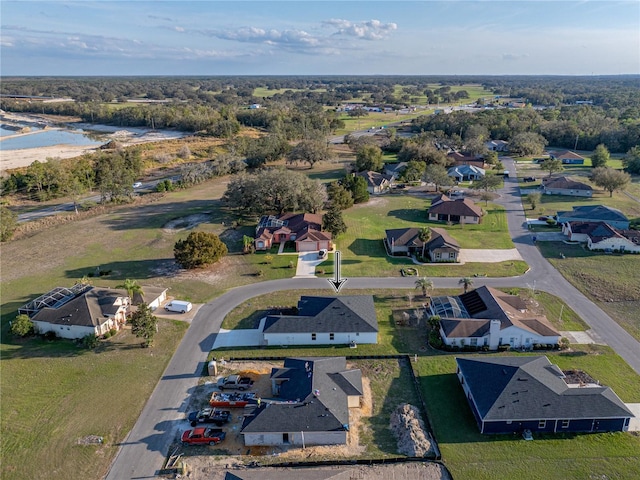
x: 142, y: 453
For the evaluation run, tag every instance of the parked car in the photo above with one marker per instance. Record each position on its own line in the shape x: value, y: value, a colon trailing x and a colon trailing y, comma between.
x: 529, y: 179
x: 322, y: 253
x: 203, y: 436
x: 137, y: 185
x: 209, y: 415
x: 235, y: 382
x: 527, y: 435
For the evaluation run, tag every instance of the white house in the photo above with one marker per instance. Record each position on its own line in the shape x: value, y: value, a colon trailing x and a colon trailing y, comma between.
x: 325, y: 321
x: 463, y: 173
x: 486, y: 317
x: 497, y: 145
x: 83, y: 309
x: 311, y: 399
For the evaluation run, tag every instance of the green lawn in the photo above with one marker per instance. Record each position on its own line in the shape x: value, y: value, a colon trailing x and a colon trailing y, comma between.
x: 470, y: 455
x: 55, y: 393
x: 610, y: 280
x: 364, y: 253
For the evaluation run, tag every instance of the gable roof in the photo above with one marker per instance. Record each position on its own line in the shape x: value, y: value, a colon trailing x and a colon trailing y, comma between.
x: 460, y: 206
x: 528, y: 388
x: 441, y: 239
x: 464, y: 157
x: 298, y: 223
x: 375, y: 179
x: 348, y: 313
x: 401, y: 237
x: 398, y: 167
x: 595, y: 212
x: 465, y: 170
x: 92, y: 308
x: 566, y: 154
x: 565, y: 183
x: 314, y: 397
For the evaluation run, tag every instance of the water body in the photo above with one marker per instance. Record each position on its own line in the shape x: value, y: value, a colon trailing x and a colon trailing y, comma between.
x: 49, y: 138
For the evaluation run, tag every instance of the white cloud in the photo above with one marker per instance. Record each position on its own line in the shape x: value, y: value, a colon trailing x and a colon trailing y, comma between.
x: 368, y: 30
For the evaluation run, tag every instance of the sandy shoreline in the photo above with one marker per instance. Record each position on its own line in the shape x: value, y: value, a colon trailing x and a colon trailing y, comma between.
x: 11, y: 159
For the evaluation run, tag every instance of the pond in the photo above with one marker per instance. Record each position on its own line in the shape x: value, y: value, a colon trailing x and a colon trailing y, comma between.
x: 48, y: 138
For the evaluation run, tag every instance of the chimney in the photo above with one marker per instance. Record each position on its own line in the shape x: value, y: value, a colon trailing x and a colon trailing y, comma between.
x: 494, y: 334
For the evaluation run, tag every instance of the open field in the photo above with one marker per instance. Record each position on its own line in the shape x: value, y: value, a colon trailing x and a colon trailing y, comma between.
x: 611, y: 280
x: 470, y: 455
x: 55, y: 394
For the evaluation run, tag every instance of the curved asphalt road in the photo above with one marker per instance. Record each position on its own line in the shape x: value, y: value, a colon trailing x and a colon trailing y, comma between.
x: 143, y: 451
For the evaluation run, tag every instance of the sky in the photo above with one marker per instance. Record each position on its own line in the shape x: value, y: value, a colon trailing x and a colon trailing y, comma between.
x: 390, y: 37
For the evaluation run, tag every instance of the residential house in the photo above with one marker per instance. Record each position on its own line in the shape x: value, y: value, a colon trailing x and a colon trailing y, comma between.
x: 459, y: 210
x: 325, y: 321
x: 313, y: 396
x: 305, y: 229
x: 83, y: 309
x: 376, y: 182
x: 394, y: 170
x: 565, y: 186
x: 465, y: 173
x: 595, y: 213
x: 567, y: 157
x: 458, y: 158
x: 511, y: 394
x: 497, y: 145
x: 406, y: 241
x: 600, y: 236
x: 486, y: 317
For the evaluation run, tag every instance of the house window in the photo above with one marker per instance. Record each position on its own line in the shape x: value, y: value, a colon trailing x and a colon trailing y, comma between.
x: 438, y: 255
x: 332, y: 336
x: 357, y: 334
x: 474, y: 342
x: 565, y: 423
x: 542, y: 424
x: 313, y: 336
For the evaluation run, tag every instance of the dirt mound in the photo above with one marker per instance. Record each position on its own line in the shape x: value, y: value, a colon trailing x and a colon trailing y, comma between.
x: 188, y: 222
x: 408, y: 427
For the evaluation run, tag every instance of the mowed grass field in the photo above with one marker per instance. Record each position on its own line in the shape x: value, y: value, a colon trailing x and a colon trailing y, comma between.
x: 364, y: 253
x: 55, y: 394
x: 472, y: 456
x: 610, y: 280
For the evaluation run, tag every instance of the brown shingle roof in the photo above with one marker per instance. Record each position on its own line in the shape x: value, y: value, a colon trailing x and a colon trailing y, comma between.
x: 565, y: 183
x: 461, y: 206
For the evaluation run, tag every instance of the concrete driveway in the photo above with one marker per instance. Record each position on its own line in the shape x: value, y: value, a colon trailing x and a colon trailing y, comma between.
x: 240, y: 338
x: 307, y: 263
x: 467, y: 255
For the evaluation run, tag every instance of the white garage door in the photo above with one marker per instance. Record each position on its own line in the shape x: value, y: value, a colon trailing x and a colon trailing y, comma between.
x: 307, y: 246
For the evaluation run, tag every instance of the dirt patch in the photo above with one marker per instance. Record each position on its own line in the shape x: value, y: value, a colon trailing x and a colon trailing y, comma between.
x: 408, y: 427
x: 373, y: 202
x: 186, y: 223
x: 577, y: 377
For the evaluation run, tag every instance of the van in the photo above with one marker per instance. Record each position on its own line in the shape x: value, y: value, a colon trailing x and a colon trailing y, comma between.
x: 178, y: 306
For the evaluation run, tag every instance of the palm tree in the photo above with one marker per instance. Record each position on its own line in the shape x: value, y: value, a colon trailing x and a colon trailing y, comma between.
x: 424, y: 235
x: 425, y: 284
x: 132, y: 287
x: 466, y: 282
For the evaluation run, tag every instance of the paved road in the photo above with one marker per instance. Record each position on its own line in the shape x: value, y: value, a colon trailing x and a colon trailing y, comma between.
x: 145, y: 448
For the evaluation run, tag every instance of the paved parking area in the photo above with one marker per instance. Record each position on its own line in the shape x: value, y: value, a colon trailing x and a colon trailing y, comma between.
x: 240, y: 337
x: 582, y: 337
x: 634, y: 424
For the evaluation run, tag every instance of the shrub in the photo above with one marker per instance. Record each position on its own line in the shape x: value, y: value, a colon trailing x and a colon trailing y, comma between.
x: 90, y: 341
x: 106, y: 335
x: 22, y: 326
x: 113, y: 331
x: 50, y: 335
x: 564, y: 343
x: 199, y: 249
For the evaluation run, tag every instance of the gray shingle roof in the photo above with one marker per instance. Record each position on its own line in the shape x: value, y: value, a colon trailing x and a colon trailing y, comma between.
x: 314, y: 397
x: 353, y: 313
x: 595, y: 212
x: 530, y: 388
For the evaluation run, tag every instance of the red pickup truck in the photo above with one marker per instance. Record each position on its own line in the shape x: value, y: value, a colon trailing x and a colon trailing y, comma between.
x: 203, y: 436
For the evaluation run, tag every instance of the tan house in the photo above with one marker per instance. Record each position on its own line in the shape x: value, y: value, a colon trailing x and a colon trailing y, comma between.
x: 565, y: 186
x: 406, y: 242
x: 567, y: 157
x: 376, y: 182
x: 460, y: 210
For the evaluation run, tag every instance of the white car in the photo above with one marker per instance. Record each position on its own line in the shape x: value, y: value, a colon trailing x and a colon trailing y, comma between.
x: 137, y: 185
x: 322, y: 253
x: 527, y: 435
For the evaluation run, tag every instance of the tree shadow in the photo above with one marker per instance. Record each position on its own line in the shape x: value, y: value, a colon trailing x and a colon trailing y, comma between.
x: 121, y: 270
x: 367, y: 247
